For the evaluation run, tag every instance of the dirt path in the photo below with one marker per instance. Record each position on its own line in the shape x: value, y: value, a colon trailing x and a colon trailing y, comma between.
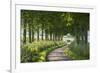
x: 57, y: 55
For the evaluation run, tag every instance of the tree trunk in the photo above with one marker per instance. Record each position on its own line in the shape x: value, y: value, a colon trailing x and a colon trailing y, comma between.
x: 50, y: 35
x: 86, y: 37
x: 38, y: 34
x: 24, y: 32
x: 46, y: 35
x: 53, y: 37
x: 30, y: 33
x: 42, y: 32
x: 77, y: 38
x: 33, y: 32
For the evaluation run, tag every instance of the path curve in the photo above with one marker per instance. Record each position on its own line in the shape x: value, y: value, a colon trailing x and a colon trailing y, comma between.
x: 58, y: 55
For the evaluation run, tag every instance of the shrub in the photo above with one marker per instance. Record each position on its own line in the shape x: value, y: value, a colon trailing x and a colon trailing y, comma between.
x: 37, y: 50
x: 78, y: 52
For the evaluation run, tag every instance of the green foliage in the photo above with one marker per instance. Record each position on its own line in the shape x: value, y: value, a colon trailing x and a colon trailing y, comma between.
x: 37, y: 50
x: 78, y: 52
x: 53, y: 26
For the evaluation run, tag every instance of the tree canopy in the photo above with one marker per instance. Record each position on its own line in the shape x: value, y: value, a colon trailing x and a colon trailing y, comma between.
x: 49, y: 25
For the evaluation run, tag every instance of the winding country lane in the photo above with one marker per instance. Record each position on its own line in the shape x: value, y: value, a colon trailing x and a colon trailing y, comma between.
x: 57, y: 55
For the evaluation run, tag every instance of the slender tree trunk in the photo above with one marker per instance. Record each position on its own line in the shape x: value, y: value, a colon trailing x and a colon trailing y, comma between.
x: 86, y: 37
x: 50, y: 35
x: 30, y: 32
x: 32, y: 35
x: 24, y: 31
x: 78, y: 38
x: 46, y: 35
x: 38, y: 34
x: 42, y: 32
x: 56, y: 37
x: 53, y: 37
x: 33, y: 32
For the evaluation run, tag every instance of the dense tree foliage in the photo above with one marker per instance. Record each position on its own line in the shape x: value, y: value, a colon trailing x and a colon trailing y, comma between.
x: 53, y: 25
x: 42, y: 31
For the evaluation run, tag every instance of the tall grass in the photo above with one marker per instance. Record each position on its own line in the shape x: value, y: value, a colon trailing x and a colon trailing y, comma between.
x: 37, y: 50
x: 78, y: 52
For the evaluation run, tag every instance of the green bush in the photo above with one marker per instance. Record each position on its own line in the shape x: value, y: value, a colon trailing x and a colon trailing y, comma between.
x: 78, y: 52
x: 37, y: 50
